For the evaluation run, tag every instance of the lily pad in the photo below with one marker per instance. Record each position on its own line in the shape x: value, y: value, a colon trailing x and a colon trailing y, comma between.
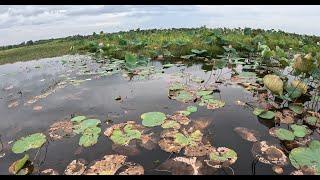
x: 171, y: 124
x: 299, y: 130
x: 182, y: 166
x: 306, y: 157
x: 269, y: 153
x: 132, y: 169
x: 192, y: 109
x: 313, y: 121
x: 184, y: 96
x: 152, y: 119
x: 222, y: 157
x: 297, y: 108
x: 18, y: 165
x: 60, y: 129
x: 215, y: 104
x: 123, y: 133
x: 78, y: 119
x: 76, y: 167
x: 88, y: 123
x: 176, y: 86
x: 107, y: 166
x: 284, y: 134
x: 248, y: 134
x: 267, y: 115
x: 33, y: 141
x: 88, y: 140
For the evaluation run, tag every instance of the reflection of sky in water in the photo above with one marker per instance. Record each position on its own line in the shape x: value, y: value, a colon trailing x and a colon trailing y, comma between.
x: 22, y: 23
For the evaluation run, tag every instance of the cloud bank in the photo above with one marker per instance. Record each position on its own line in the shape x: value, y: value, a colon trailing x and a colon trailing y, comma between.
x: 22, y: 23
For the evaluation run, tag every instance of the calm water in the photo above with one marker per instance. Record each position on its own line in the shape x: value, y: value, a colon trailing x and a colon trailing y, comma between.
x: 95, y: 98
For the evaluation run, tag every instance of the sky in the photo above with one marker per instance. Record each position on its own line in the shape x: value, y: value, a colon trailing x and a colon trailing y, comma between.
x: 35, y: 22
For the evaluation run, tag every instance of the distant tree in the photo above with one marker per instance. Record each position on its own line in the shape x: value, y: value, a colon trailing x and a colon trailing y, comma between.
x: 29, y: 42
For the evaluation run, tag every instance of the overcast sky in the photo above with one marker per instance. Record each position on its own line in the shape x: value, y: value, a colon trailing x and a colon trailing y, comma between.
x: 22, y: 23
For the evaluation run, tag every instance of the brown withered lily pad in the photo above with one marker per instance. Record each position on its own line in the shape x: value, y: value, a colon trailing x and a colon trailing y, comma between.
x: 167, y: 142
x: 132, y: 169
x: 109, y: 165
x: 182, y: 166
x: 76, y: 167
x: 268, y: 153
x: 49, y: 172
x: 247, y: 134
x: 180, y: 118
x: 286, y: 117
x: 60, y: 129
x: 198, y: 150
x: 149, y: 141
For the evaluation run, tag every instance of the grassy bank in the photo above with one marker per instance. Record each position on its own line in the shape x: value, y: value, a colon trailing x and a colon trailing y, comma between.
x: 168, y: 43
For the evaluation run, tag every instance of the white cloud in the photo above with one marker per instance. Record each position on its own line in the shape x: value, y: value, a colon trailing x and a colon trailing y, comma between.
x: 22, y: 23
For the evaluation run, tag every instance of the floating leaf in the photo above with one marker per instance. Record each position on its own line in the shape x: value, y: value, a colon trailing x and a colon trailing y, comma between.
x: 133, y: 169
x: 78, y: 119
x: 267, y: 115
x: 60, y: 129
x: 284, y: 134
x: 222, y: 157
x: 268, y: 153
x: 18, y: 165
x: 176, y: 86
x: 215, y: 104
x: 192, y: 109
x: 107, y: 166
x: 306, y: 157
x: 203, y: 92
x: 171, y: 124
x: 297, y: 108
x: 181, y: 166
x: 258, y: 111
x: 313, y: 121
x: 88, y: 140
x: 33, y: 141
x: 88, y: 123
x: 152, y: 119
x: 184, y: 96
x: 299, y: 131
x: 123, y: 133
x: 76, y: 167
x: 273, y: 83
x: 248, y: 134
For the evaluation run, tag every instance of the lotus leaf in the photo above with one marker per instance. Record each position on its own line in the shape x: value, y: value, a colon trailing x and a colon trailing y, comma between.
x: 184, y: 96
x: 222, y: 157
x: 176, y: 86
x: 192, y: 109
x: 133, y: 169
x: 76, y: 167
x: 124, y: 137
x: 303, y: 64
x: 284, y: 134
x: 33, y: 141
x: 18, y: 165
x: 313, y: 121
x: 214, y: 104
x: 152, y: 119
x: 88, y: 140
x: 203, y: 92
x: 268, y: 153
x: 88, y: 123
x: 171, y: 124
x: 258, y: 111
x: 299, y: 131
x: 107, y: 166
x: 267, y: 115
x: 306, y: 157
x: 273, y: 83
x: 248, y: 134
x: 78, y: 119
x: 297, y: 108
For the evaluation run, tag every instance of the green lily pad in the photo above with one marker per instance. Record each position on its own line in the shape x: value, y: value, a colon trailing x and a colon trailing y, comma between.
x: 167, y: 65
x: 18, y: 165
x: 176, y: 86
x: 92, y: 130
x: 307, y: 157
x: 185, y: 113
x: 152, y: 119
x: 215, y: 104
x: 78, y: 119
x: 203, y: 92
x: 313, y: 121
x: 184, y: 96
x: 258, y: 111
x: 297, y: 108
x: 197, y: 79
x: 171, y: 124
x: 222, y: 157
x: 88, y: 123
x: 88, y: 140
x: 124, y: 137
x: 33, y: 141
x: 299, y: 131
x: 284, y: 134
x: 191, y: 139
x: 267, y: 115
x: 192, y: 109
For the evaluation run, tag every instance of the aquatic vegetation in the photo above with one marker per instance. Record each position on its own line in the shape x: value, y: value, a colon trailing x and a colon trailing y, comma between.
x: 18, y: 165
x: 88, y: 128
x: 248, y: 134
x: 264, y: 114
x: 122, y: 134
x: 60, y: 129
x: 76, y: 167
x: 306, y: 157
x: 152, y: 119
x: 274, y: 84
x: 32, y: 141
x: 222, y: 157
x: 107, y: 166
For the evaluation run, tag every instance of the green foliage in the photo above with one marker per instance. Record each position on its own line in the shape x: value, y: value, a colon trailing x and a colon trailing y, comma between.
x: 32, y: 141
